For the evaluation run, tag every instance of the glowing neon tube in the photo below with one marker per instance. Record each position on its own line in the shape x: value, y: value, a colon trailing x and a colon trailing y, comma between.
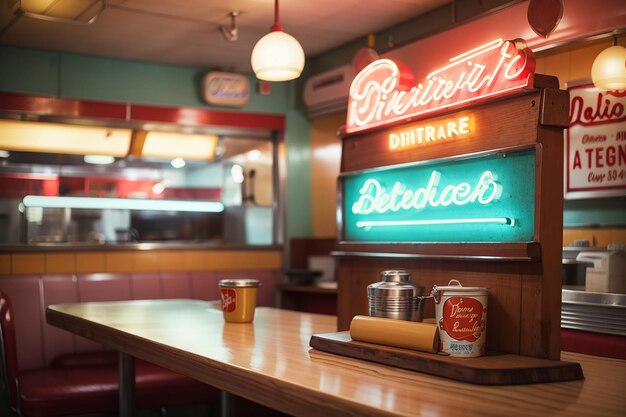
x: 122, y: 203
x: 498, y: 220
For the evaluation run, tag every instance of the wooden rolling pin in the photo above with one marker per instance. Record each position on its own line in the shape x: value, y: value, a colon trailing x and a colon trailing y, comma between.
x: 398, y: 333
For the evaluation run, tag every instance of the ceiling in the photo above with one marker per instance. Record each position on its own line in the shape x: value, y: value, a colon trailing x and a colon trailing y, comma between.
x: 188, y: 32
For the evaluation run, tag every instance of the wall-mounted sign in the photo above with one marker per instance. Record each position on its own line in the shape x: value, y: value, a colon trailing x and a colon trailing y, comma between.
x: 595, y: 147
x: 483, y: 199
x: 225, y: 89
x: 384, y: 92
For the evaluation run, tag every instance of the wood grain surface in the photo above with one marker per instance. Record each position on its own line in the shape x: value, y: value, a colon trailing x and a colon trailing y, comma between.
x: 491, y: 369
x: 270, y: 362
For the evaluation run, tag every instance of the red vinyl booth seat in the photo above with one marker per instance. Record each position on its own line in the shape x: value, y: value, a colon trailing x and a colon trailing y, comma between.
x: 89, y: 389
x: 88, y: 382
x: 598, y: 344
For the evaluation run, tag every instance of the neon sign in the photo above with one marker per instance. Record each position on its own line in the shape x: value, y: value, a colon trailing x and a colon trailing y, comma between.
x: 482, y: 199
x: 374, y: 198
x: 384, y: 91
x: 413, y: 136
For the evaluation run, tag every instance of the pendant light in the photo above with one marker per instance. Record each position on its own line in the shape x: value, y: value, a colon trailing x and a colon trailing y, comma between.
x: 608, y: 71
x: 277, y: 56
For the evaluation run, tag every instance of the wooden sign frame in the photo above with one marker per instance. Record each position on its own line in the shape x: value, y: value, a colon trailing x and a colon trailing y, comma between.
x: 524, y: 279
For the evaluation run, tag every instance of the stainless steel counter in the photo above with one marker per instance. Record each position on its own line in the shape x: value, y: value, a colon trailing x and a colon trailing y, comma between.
x: 594, y: 312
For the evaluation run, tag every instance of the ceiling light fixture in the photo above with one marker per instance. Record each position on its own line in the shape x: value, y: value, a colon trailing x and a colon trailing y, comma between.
x: 230, y: 32
x: 277, y: 56
x: 99, y: 159
x: 158, y: 188
x: 608, y: 71
x: 236, y: 173
x: 178, y: 162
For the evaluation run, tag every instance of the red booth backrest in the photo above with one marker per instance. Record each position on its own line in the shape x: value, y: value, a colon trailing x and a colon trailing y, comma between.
x: 7, y: 339
x: 39, y: 343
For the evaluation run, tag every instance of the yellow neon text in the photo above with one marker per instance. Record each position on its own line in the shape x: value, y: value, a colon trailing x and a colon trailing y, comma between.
x: 448, y: 129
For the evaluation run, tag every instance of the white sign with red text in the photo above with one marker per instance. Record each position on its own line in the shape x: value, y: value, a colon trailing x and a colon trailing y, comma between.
x: 385, y: 93
x: 595, y: 146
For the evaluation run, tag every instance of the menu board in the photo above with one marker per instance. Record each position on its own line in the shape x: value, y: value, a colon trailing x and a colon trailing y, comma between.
x: 489, y: 198
x: 595, y: 145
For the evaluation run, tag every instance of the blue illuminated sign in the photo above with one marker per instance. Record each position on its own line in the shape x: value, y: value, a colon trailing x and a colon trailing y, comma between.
x: 482, y: 199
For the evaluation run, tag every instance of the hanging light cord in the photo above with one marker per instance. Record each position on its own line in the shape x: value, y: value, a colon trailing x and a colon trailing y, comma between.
x: 276, y: 27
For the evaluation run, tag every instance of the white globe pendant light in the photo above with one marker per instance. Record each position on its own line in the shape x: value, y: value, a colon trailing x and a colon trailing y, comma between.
x: 277, y: 56
x: 608, y: 71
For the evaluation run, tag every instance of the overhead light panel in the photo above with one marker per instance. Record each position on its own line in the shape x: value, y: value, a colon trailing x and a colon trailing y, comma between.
x: 179, y: 145
x: 60, y: 11
x: 62, y: 138
x: 122, y: 204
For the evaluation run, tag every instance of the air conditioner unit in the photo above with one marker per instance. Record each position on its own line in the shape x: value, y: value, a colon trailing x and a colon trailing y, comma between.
x: 327, y: 92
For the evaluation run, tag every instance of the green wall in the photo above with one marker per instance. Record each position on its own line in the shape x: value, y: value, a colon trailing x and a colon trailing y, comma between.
x: 595, y: 212
x: 67, y: 75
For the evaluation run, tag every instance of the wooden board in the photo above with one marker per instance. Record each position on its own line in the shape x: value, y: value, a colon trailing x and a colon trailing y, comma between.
x: 491, y: 369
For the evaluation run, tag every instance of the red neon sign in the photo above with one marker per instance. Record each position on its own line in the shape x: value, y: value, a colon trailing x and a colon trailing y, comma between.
x: 384, y: 92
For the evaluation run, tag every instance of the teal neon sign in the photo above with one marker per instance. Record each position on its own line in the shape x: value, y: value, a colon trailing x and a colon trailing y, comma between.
x: 482, y: 199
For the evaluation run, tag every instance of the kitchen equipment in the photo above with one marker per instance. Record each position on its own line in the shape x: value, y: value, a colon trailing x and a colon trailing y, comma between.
x: 594, y: 312
x: 608, y: 273
x: 324, y: 263
x: 302, y: 276
x: 395, y: 297
x: 572, y: 271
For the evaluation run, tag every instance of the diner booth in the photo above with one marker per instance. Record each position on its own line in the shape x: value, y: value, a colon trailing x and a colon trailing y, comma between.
x: 138, y: 227
x: 456, y: 159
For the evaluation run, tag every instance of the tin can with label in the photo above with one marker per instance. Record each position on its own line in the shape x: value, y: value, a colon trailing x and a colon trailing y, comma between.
x: 238, y: 299
x: 461, y: 314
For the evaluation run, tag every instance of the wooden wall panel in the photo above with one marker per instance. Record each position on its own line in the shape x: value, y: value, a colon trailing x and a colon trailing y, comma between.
x: 516, y: 126
x: 325, y: 161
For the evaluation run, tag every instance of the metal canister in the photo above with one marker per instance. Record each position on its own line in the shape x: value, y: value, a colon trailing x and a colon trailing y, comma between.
x: 395, y: 297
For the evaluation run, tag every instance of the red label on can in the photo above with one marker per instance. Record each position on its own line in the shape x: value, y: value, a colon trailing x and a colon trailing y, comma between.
x: 463, y: 318
x: 229, y: 299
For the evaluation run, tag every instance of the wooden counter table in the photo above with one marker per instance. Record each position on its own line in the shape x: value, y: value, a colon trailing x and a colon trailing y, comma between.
x: 270, y: 362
